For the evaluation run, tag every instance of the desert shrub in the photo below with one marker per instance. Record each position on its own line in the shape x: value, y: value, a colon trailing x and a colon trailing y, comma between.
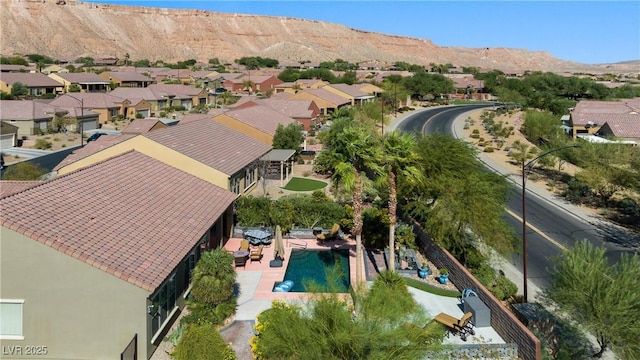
x: 481, y: 139
x: 488, y: 149
x: 476, y: 131
x: 163, y: 114
x: 56, y: 139
x: 474, y: 136
x: 202, y: 342
x: 43, y: 144
x: 311, y: 141
x: 24, y: 171
x: 300, y: 161
x: 503, y: 288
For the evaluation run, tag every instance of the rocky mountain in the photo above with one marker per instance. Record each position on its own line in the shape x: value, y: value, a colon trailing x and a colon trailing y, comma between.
x: 65, y: 28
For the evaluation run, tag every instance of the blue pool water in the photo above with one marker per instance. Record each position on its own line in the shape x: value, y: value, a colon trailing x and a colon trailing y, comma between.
x: 313, y: 266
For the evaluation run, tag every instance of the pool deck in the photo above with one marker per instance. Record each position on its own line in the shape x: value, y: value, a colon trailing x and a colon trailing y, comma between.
x: 256, y: 281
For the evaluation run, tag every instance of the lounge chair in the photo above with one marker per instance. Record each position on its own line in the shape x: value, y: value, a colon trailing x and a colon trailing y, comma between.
x: 455, y: 326
x: 244, y: 245
x: 331, y: 235
x: 257, y: 254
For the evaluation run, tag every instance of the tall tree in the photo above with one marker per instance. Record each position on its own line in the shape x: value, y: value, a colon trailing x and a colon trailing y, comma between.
x: 288, y: 137
x: 356, y: 150
x: 399, y: 160
x: 602, y: 298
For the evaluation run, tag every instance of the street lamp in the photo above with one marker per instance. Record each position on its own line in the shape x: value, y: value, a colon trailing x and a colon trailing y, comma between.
x: 525, y: 168
x: 81, y: 120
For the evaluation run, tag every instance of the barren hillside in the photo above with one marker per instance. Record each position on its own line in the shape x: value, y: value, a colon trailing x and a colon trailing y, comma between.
x: 67, y: 28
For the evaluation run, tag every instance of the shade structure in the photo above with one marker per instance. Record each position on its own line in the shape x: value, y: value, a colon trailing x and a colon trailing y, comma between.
x: 278, y: 249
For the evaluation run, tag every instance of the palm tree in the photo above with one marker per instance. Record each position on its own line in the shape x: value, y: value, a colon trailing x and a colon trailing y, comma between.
x: 400, y: 160
x: 213, y: 277
x: 357, y: 150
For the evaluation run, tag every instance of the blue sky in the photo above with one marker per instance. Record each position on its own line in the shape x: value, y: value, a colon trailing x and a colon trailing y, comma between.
x: 590, y: 32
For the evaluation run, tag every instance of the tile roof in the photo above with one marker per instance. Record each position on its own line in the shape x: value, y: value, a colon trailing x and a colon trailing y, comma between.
x: 261, y: 117
x: 599, y: 111
x: 625, y: 126
x: 89, y: 215
x: 89, y: 100
x: 92, y: 147
x: 140, y: 126
x: 29, y: 79
x: 300, y: 109
x: 10, y: 187
x: 187, y: 118
x: 350, y: 90
x: 128, y: 76
x: 328, y: 96
x: 212, y: 144
x: 24, y: 110
x: 83, y: 77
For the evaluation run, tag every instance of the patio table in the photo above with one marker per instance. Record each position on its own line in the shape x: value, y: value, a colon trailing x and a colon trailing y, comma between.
x: 240, y: 253
x: 258, y: 237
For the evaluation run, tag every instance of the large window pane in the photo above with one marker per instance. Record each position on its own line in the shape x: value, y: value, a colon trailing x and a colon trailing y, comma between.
x: 11, y: 319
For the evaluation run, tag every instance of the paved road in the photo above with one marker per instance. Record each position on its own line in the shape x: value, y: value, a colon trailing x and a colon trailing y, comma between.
x: 553, y: 224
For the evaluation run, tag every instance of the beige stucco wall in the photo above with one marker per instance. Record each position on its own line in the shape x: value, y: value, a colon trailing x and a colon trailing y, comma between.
x: 75, y: 309
x: 59, y: 79
x: 158, y: 152
x: 5, y: 87
x: 323, y: 105
x: 244, y: 128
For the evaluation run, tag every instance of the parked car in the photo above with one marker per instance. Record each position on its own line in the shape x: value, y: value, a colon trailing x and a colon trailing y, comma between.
x: 95, y: 136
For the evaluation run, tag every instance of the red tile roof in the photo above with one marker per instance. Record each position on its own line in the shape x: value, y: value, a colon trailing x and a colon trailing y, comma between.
x: 212, y: 144
x: 261, y: 117
x: 92, y: 147
x: 587, y: 111
x: 25, y: 110
x: 89, y: 100
x: 29, y: 79
x: 140, y: 126
x: 10, y: 187
x: 82, y: 78
x: 130, y: 216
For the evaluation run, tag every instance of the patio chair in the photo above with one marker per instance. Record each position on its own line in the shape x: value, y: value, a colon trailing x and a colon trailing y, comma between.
x: 331, y: 235
x: 240, y: 261
x: 244, y: 245
x: 257, y: 254
x: 455, y: 326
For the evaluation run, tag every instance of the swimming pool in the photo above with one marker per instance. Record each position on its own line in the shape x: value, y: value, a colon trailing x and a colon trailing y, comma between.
x: 307, y: 266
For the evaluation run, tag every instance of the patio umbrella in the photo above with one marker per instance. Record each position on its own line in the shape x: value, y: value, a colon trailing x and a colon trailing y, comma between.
x: 278, y: 247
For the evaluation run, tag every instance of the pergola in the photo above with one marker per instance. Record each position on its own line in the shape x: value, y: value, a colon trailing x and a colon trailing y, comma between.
x: 278, y: 163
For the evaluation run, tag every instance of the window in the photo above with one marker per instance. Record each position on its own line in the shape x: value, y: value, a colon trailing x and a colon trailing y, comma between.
x: 11, y: 319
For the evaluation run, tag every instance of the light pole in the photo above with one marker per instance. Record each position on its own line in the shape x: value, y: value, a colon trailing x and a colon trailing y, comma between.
x: 81, y: 120
x: 525, y: 168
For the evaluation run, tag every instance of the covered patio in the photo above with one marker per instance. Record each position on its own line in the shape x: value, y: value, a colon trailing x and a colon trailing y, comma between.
x: 278, y: 164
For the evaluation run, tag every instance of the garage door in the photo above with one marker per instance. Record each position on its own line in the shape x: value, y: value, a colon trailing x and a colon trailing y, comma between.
x: 89, y: 125
x: 145, y: 113
x: 6, y: 141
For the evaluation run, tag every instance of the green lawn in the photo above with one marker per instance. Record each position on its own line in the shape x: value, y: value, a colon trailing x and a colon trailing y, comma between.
x: 304, y: 184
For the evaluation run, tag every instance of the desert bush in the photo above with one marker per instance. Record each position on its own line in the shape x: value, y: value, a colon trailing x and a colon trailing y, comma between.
x: 488, y: 149
x: 202, y: 342
x: 474, y: 136
x: 476, y: 131
x: 43, y: 144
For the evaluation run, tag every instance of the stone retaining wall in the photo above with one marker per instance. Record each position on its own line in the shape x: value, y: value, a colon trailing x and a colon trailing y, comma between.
x: 502, y: 320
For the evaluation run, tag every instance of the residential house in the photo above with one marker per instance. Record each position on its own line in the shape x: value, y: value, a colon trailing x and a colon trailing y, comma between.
x: 108, y: 106
x: 589, y: 116
x: 37, y: 83
x: 205, y: 149
x: 97, y: 264
x: 353, y: 93
x: 623, y: 128
x: 163, y: 96
x: 85, y: 82
x: 466, y: 87
x: 8, y: 135
x: 326, y: 101
x: 127, y: 79
x: 178, y: 76
x: 369, y: 88
x: 300, y: 84
x: 29, y: 116
x: 259, y: 122
x: 261, y: 83
x: 16, y: 68
x: 54, y: 69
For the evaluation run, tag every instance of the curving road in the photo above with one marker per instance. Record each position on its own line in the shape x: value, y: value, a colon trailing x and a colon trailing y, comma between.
x: 551, y: 228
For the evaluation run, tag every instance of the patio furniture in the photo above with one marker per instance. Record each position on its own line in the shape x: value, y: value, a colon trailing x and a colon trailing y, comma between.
x: 258, y: 237
x: 480, y: 311
x: 462, y: 326
x: 256, y: 255
x: 244, y: 245
x: 332, y: 234
x: 241, y: 253
x: 240, y: 261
